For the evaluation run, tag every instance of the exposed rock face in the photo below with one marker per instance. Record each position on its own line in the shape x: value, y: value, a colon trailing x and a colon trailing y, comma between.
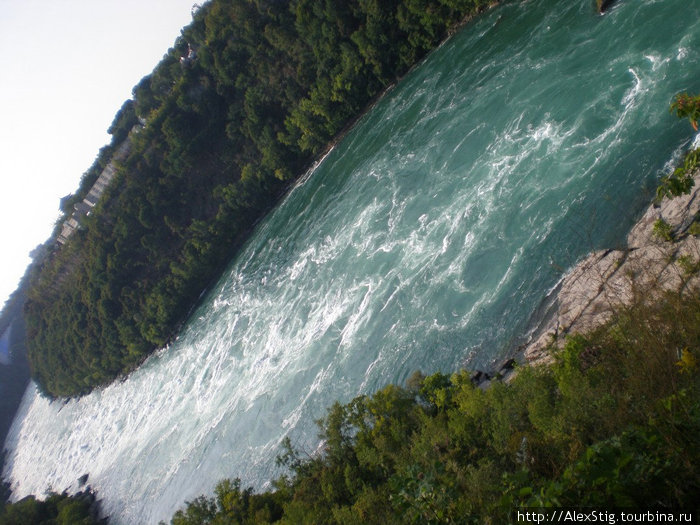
x: 603, y: 5
x: 503, y: 371
x: 609, y: 279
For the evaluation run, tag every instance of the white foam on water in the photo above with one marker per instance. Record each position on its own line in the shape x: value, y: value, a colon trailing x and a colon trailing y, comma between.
x: 464, y: 187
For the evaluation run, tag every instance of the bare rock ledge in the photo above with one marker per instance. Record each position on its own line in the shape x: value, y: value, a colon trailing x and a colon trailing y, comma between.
x: 607, y: 279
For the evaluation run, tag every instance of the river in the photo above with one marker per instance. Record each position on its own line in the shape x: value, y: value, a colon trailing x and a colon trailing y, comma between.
x: 424, y: 240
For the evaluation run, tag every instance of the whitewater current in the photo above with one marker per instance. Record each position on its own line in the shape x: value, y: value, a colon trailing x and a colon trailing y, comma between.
x: 426, y: 239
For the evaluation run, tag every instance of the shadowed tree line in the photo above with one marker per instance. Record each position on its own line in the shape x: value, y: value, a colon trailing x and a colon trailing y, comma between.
x: 56, y: 509
x: 14, y: 369
x: 14, y: 374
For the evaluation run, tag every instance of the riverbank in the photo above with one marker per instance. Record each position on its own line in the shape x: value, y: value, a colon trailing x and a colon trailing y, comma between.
x: 662, y: 255
x: 612, y: 422
x: 225, y: 133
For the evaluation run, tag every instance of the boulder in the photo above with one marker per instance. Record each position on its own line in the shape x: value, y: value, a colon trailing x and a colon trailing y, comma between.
x: 603, y: 5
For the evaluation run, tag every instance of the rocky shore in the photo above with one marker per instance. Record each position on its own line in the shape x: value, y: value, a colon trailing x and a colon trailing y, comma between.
x: 662, y: 254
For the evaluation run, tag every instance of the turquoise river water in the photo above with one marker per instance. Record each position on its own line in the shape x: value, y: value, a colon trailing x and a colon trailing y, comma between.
x: 426, y: 239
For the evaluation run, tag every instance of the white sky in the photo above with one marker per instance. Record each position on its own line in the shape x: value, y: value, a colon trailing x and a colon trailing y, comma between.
x: 66, y: 67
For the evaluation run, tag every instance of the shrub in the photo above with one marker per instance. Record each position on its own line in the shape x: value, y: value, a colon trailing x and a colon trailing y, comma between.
x: 694, y: 228
x: 688, y: 265
x: 662, y: 230
x: 681, y: 181
x: 687, y: 106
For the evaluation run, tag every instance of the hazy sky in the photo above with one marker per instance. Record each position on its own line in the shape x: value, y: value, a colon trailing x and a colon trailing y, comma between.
x: 66, y: 67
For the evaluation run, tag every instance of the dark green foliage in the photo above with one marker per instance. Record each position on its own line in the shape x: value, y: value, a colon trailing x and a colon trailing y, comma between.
x: 56, y: 509
x: 662, y: 230
x: 231, y: 506
x: 687, y: 106
x: 247, y: 96
x: 124, y: 121
x: 681, y: 181
x: 614, y: 422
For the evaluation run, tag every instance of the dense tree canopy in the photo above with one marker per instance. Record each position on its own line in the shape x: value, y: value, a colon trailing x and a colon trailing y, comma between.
x: 251, y: 91
x: 56, y: 509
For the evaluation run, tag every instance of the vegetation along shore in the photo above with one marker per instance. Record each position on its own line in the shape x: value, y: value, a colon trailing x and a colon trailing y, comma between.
x: 606, y: 412
x: 249, y: 95
x: 610, y: 418
x: 605, y: 415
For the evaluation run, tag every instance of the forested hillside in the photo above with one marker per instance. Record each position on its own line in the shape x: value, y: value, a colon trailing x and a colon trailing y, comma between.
x: 250, y: 93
